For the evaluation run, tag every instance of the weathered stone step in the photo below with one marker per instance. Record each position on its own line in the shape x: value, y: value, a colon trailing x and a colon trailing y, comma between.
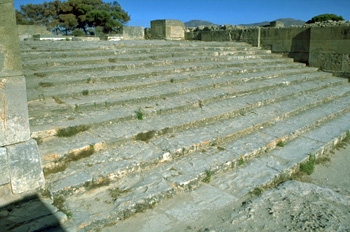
x: 151, y: 76
x: 188, y: 139
x: 41, y: 59
x: 71, y: 59
x: 48, y: 108
x: 138, y: 192
x: 178, y: 102
x: 36, y: 47
x: 76, y: 101
x: 234, y: 187
x: 131, y: 65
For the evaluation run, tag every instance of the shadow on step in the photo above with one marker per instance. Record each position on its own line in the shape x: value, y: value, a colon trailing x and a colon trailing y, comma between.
x: 28, y: 214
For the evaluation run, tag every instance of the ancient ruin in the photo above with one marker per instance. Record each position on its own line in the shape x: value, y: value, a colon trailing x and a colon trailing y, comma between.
x: 20, y: 159
x: 118, y: 127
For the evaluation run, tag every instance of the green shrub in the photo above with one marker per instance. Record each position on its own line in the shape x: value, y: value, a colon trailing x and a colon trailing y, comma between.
x: 325, y: 17
x: 78, y: 32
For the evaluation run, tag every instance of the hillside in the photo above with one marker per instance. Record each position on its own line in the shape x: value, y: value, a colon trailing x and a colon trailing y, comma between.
x: 197, y: 23
x: 287, y: 22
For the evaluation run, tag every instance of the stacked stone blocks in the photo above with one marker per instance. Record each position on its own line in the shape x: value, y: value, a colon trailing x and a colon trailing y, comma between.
x: 21, y: 165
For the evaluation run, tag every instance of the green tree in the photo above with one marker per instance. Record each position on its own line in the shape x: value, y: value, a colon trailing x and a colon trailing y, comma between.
x: 325, y: 17
x: 69, y: 15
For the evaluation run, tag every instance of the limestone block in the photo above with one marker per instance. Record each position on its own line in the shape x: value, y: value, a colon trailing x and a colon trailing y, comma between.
x: 167, y: 29
x: 14, y: 122
x: 4, y: 169
x: 133, y: 32
x: 25, y: 167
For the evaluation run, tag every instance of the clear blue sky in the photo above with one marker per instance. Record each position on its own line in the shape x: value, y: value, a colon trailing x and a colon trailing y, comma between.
x: 224, y: 11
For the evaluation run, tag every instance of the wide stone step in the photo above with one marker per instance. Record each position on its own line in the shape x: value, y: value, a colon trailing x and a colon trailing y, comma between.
x: 168, y: 141
x: 131, y: 65
x: 85, y: 90
x: 124, y: 125
x: 133, y: 194
x: 92, y: 57
x: 126, y: 118
x: 45, y: 47
x: 233, y: 187
x: 128, y: 79
x: 45, y: 115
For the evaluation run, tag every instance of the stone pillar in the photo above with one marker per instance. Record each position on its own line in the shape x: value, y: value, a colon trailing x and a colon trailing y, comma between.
x: 20, y: 163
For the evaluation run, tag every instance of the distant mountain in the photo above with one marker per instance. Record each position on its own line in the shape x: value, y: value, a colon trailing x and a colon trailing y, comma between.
x: 197, y: 23
x: 287, y: 22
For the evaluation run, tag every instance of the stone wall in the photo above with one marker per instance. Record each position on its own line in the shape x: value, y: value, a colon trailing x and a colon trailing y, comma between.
x: 294, y: 42
x: 326, y: 46
x: 330, y: 48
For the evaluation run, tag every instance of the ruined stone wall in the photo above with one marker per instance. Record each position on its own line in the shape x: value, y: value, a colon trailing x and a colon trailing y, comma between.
x: 294, y: 42
x: 326, y: 46
x: 330, y: 49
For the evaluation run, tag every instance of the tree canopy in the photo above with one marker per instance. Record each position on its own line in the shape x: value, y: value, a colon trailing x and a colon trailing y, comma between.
x: 325, y: 17
x: 88, y: 16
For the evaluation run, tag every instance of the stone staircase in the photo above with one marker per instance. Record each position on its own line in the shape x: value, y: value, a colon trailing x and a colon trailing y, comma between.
x: 122, y: 126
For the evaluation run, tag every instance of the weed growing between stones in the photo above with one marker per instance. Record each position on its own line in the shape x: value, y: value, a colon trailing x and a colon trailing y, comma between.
x: 280, y: 143
x: 71, y: 131
x: 58, y: 202
x: 342, y: 144
x: 208, y: 175
x: 96, y: 183
x: 242, y: 112
x: 59, y: 167
x: 82, y: 154
x: 114, y: 193
x: 45, y: 84
x: 62, y: 163
x: 308, y: 167
x: 85, y: 92
x: 139, y: 114
x: 41, y: 75
x: 240, y: 160
x: 257, y: 192
x: 38, y: 140
x: 41, y: 97
x: 145, y: 136
x: 57, y: 100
